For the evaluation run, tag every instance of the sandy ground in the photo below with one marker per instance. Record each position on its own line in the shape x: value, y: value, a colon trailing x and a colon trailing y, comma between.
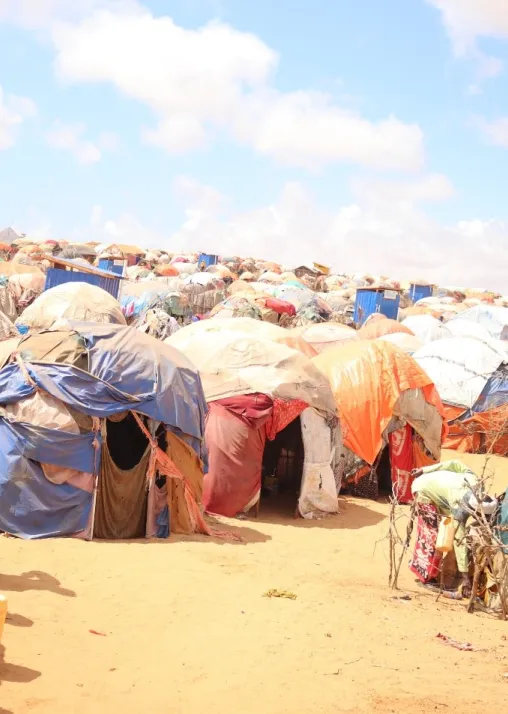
x: 185, y: 626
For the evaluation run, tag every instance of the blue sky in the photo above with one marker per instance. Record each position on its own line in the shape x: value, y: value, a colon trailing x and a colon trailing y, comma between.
x: 367, y: 135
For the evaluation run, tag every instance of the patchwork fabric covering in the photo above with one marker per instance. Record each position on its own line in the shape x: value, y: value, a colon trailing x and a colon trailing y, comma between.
x: 91, y: 372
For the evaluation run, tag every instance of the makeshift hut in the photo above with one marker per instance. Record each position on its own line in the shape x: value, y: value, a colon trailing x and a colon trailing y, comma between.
x: 471, y: 377
x: 71, y: 301
x: 407, y: 343
x: 426, y: 328
x: 250, y: 327
x: 381, y: 327
x: 100, y: 436
x: 492, y: 317
x: 324, y: 335
x: 271, y: 419
x: 392, y: 418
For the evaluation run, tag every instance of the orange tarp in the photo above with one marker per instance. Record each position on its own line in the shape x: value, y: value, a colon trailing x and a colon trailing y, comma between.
x: 487, y: 432
x: 379, y: 328
x: 367, y: 379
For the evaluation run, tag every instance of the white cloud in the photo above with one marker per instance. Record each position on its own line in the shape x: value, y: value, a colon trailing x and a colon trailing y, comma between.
x: 495, y: 131
x: 70, y: 137
x: 379, y: 233
x: 35, y: 14
x: 108, y: 141
x: 13, y: 112
x: 431, y: 188
x: 199, y: 83
x: 468, y: 20
x: 123, y: 229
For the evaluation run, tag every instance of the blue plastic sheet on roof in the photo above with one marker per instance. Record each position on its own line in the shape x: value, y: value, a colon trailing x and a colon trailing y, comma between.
x: 128, y: 370
x: 495, y: 392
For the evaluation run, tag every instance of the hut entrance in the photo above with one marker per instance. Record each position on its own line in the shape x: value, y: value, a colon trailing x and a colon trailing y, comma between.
x: 122, y: 495
x: 283, y: 467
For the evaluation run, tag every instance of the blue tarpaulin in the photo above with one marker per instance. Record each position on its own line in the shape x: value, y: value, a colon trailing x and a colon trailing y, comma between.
x: 495, y: 392
x: 127, y: 370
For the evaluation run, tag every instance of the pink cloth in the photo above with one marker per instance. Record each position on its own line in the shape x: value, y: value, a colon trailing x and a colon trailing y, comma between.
x: 235, y: 437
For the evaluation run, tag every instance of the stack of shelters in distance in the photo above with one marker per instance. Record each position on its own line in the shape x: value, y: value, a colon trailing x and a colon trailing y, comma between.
x: 229, y: 379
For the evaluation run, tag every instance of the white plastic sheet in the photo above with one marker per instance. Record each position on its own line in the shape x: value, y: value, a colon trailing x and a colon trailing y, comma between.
x: 459, y: 367
x: 318, y: 495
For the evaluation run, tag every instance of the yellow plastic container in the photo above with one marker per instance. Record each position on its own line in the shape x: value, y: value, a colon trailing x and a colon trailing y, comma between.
x: 445, y: 535
x: 3, y: 613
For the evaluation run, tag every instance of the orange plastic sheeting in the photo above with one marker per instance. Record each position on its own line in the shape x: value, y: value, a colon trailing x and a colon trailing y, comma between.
x: 367, y: 379
x: 379, y: 328
x: 487, y: 431
x: 420, y: 457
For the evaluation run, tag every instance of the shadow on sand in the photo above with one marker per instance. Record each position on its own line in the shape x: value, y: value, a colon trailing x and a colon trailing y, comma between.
x: 242, y: 535
x: 33, y: 580
x: 15, y: 672
x: 353, y: 515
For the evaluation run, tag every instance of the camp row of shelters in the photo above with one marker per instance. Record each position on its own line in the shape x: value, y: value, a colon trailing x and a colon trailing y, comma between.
x: 126, y: 413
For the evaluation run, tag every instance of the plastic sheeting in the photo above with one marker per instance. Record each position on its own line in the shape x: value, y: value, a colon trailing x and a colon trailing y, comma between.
x: 325, y: 335
x: 459, y: 367
x: 407, y: 343
x: 71, y: 301
x: 31, y: 506
x: 466, y: 328
x: 127, y: 370
x: 381, y: 327
x: 253, y: 328
x: 492, y: 317
x: 368, y: 379
x: 495, y: 392
x: 232, y: 363
x: 426, y: 328
x: 318, y: 494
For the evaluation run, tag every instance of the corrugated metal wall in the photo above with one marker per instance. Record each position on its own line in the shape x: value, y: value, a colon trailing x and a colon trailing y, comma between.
x: 112, y: 265
x: 207, y: 259
x: 365, y: 305
x: 418, y: 292
x: 389, y: 306
x: 56, y: 276
x: 370, y: 301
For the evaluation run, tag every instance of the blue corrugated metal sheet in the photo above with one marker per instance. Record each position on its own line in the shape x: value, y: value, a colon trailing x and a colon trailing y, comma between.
x: 208, y: 259
x: 56, y: 276
x: 418, y: 292
x: 109, y: 264
x: 365, y: 305
x: 370, y: 301
x: 389, y: 306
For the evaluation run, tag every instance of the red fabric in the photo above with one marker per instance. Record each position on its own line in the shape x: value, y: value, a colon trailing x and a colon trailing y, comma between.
x: 235, y: 440
x: 281, y: 307
x: 254, y: 409
x: 401, y: 459
x: 283, y: 414
x: 426, y: 560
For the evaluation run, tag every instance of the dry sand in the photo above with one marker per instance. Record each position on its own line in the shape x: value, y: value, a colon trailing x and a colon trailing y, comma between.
x: 187, y: 629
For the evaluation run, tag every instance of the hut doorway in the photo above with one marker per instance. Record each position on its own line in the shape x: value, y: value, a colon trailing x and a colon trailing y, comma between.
x: 122, y: 496
x: 283, y: 460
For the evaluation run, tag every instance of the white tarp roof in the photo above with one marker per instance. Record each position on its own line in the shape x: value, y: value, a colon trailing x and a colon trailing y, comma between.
x: 232, y: 362
x: 493, y: 317
x: 426, y: 328
x: 459, y: 367
x: 407, y: 343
